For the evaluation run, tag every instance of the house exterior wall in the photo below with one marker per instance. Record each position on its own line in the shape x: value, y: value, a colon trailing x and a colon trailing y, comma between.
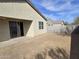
x: 22, y: 12
x: 28, y: 28
x: 38, y: 31
x: 4, y: 30
x: 18, y: 10
x: 56, y: 28
x: 31, y: 29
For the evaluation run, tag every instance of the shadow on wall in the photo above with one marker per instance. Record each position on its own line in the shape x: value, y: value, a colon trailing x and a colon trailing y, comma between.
x: 75, y: 44
x: 58, y: 53
x: 27, y: 25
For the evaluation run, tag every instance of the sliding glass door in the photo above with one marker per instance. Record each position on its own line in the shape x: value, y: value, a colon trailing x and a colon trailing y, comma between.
x: 16, y: 29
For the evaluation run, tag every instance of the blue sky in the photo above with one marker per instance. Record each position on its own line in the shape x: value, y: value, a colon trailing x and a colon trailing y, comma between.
x: 66, y: 10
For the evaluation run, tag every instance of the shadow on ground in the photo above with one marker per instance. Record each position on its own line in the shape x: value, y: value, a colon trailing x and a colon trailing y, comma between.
x: 57, y: 53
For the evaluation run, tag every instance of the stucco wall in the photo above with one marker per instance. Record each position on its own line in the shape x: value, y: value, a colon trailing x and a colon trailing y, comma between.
x: 18, y: 10
x: 4, y: 30
x: 28, y: 28
x: 25, y: 12
x: 31, y: 28
x: 38, y: 31
x: 57, y: 28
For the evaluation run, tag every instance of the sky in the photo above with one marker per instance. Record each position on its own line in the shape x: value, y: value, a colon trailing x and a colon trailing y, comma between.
x: 66, y: 10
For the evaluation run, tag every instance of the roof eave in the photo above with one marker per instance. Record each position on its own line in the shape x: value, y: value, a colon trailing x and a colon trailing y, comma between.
x: 35, y: 9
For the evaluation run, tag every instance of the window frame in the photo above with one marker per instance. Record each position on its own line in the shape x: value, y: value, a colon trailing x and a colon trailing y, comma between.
x: 41, y: 25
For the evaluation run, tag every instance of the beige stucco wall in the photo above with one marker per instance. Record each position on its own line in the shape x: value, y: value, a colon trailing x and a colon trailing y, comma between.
x: 38, y: 31
x: 33, y: 28
x: 28, y: 28
x: 18, y: 10
x: 4, y: 30
x: 25, y: 12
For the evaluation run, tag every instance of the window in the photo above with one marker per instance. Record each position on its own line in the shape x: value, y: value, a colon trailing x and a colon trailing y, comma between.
x: 41, y: 25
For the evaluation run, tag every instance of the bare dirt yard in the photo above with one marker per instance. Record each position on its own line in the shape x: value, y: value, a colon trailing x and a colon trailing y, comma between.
x: 45, y: 46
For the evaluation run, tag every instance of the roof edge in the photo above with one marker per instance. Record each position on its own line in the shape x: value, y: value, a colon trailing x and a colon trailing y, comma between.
x: 36, y: 9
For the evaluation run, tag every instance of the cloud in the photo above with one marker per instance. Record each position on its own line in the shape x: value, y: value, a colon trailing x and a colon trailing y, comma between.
x: 73, y: 12
x: 66, y: 18
x: 51, y: 16
x: 58, y: 5
x: 63, y: 8
x: 59, y: 9
x: 49, y: 5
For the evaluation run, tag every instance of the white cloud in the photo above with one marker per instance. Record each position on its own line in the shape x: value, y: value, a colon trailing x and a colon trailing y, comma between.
x: 66, y: 10
x: 76, y: 11
x: 51, y: 16
x: 49, y: 5
x: 52, y: 6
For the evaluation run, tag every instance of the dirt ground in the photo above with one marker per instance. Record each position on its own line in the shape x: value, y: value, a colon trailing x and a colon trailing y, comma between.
x: 45, y: 46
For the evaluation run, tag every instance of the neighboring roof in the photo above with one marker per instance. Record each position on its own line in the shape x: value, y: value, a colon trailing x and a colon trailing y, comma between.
x: 24, y: 1
x: 55, y: 21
